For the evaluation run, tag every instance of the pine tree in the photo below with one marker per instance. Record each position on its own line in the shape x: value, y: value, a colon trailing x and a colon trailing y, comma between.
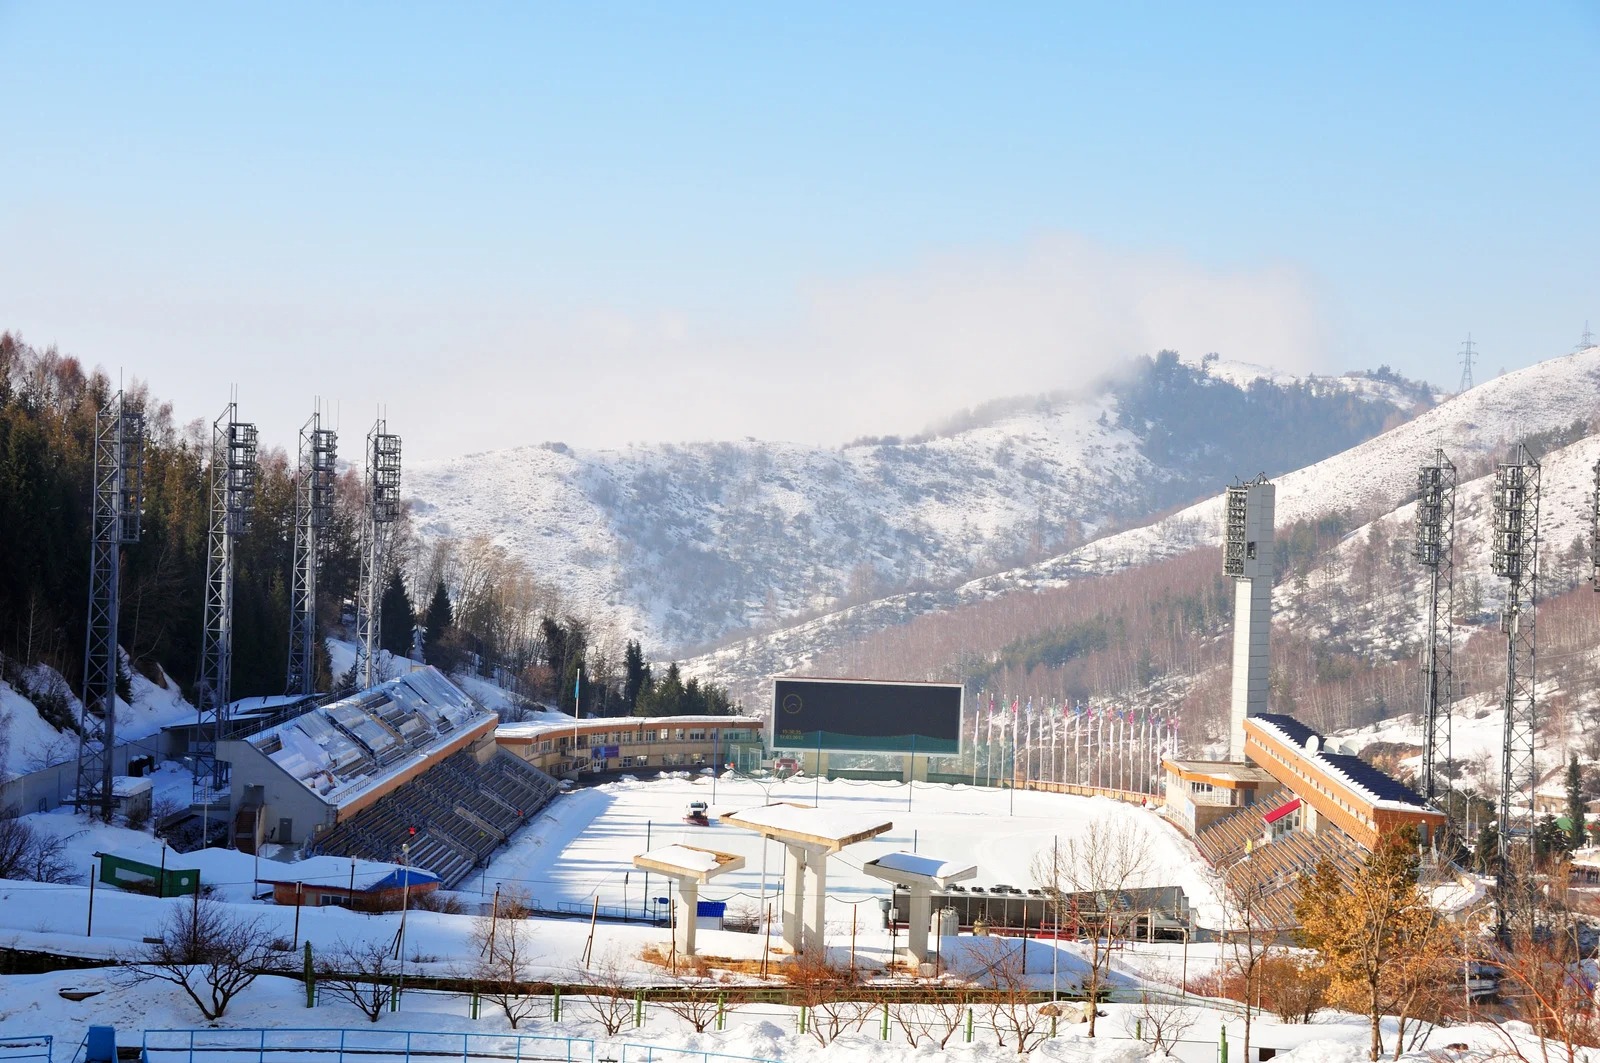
x: 396, y: 620
x: 440, y: 618
x: 636, y: 675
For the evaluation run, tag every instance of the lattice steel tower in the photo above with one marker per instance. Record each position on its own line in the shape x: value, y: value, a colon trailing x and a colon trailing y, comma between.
x: 383, y: 509
x: 233, y: 497
x: 118, y: 502
x: 313, y: 509
x: 1468, y: 356
x: 1436, y: 536
x: 1516, y: 560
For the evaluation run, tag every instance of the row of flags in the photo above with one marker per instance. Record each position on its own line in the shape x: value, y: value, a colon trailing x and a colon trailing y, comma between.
x: 1001, y: 713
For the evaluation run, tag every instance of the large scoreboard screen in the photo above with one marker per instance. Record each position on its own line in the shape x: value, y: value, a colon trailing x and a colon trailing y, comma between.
x: 853, y: 715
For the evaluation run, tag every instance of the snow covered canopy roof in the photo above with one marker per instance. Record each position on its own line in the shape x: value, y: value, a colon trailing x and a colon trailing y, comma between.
x: 337, y: 872
x: 340, y: 749
x: 688, y: 861
x: 1382, y: 789
x: 903, y: 866
x: 550, y: 724
x: 804, y: 825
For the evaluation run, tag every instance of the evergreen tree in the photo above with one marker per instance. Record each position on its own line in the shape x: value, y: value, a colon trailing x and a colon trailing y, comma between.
x: 636, y: 675
x: 440, y: 618
x: 666, y: 697
x: 396, y: 619
x: 1574, y: 803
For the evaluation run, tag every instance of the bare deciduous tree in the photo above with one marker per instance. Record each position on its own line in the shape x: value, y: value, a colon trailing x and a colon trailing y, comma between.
x: 1161, y: 1020
x: 824, y: 989
x: 1011, y: 1011
x: 1095, y: 867
x: 363, y: 973
x: 610, y: 998
x: 503, y: 942
x: 209, y: 952
x: 26, y: 854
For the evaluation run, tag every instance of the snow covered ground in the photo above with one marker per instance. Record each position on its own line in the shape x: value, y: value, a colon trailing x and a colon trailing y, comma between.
x: 581, y: 849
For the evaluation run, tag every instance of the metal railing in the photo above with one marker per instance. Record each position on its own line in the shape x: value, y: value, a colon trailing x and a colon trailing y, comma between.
x: 26, y: 1046
x: 293, y: 1044
x: 632, y: 1053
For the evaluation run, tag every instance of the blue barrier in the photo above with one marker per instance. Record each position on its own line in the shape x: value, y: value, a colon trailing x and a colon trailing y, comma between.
x: 292, y: 1044
x: 26, y: 1046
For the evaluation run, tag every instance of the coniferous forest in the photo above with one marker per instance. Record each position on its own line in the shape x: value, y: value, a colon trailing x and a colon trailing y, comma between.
x: 480, y: 610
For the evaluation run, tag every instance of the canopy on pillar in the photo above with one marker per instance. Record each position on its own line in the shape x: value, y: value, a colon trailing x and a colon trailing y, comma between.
x: 915, y: 869
x: 795, y: 824
x: 687, y: 862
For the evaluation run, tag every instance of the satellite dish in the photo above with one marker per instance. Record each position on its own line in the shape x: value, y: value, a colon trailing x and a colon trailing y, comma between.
x: 1313, y: 745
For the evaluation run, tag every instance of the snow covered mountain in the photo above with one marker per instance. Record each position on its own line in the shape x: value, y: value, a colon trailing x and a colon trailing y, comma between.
x: 686, y: 545
x: 1550, y: 402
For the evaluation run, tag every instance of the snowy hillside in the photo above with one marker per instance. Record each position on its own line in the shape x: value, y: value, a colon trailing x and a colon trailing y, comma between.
x: 34, y: 743
x: 1368, y: 480
x: 685, y: 545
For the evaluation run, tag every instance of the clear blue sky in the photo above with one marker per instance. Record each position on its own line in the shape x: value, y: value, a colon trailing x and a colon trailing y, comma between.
x: 600, y: 223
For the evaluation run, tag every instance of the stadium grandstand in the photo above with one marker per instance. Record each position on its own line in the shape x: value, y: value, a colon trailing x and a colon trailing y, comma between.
x: 407, y: 770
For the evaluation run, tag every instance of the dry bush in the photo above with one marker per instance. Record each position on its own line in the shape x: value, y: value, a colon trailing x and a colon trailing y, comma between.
x: 443, y: 903
x: 1292, y: 988
x: 824, y: 990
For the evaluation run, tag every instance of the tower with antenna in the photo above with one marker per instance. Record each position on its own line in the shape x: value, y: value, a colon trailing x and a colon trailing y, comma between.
x: 313, y: 509
x: 1436, y: 533
x: 117, y: 506
x: 383, y: 509
x: 233, y: 496
x: 1468, y: 356
x: 1515, y: 559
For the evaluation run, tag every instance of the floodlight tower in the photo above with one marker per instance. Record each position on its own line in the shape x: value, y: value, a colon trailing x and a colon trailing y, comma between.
x: 233, y: 498
x: 118, y: 504
x: 1468, y: 356
x: 1248, y: 557
x: 1436, y: 536
x: 1516, y: 560
x: 313, y: 509
x: 383, y: 509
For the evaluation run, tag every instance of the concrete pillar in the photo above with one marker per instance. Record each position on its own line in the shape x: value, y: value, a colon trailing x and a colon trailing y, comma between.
x: 918, y: 917
x: 914, y: 768
x: 815, y: 762
x: 794, y: 895
x: 816, y: 873
x: 688, y: 906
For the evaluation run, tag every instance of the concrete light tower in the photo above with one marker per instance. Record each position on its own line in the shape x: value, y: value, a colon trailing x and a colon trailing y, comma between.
x: 1248, y: 556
